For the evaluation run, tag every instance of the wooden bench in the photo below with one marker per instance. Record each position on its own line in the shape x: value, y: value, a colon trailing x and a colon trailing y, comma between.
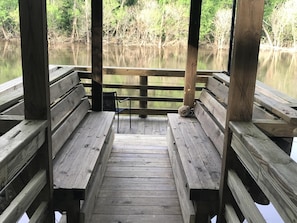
x: 196, y: 143
x: 81, y: 144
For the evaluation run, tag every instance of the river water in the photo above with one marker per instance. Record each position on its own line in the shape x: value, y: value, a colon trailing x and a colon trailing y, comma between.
x: 276, y: 69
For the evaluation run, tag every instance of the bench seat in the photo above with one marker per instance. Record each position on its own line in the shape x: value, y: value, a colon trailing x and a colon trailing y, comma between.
x: 79, y: 166
x: 196, y: 165
x: 196, y: 144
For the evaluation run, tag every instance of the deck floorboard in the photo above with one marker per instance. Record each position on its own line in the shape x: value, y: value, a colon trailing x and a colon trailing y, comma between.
x: 138, y: 185
x: 152, y: 125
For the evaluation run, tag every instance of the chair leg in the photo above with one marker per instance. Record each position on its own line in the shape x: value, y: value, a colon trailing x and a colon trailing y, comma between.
x: 130, y: 112
x: 118, y: 122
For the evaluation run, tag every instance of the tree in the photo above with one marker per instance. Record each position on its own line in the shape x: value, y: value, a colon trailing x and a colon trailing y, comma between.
x: 222, y: 27
x: 284, y: 24
x: 8, y: 18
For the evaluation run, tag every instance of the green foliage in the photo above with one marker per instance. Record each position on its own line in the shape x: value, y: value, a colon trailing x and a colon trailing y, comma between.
x: 136, y: 21
x: 270, y: 5
x: 9, y: 18
x: 209, y: 10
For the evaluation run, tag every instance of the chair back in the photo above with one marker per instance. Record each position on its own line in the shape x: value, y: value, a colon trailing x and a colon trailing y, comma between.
x: 109, y: 101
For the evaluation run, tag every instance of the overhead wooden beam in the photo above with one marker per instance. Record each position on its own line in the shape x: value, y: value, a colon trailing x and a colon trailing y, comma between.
x: 33, y: 28
x: 97, y: 66
x: 244, y: 64
x: 192, y: 53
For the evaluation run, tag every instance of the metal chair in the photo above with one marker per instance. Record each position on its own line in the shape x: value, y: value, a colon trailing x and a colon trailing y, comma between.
x: 111, y: 103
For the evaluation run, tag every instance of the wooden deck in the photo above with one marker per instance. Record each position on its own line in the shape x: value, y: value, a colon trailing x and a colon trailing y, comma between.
x: 138, y: 185
x: 152, y: 125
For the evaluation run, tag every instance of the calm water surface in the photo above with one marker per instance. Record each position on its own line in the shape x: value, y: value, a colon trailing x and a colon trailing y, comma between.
x: 278, y: 70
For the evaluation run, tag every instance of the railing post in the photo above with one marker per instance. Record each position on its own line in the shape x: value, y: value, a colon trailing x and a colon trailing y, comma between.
x: 143, y: 93
x: 97, y: 67
x: 33, y: 29
x: 244, y: 64
x: 192, y: 54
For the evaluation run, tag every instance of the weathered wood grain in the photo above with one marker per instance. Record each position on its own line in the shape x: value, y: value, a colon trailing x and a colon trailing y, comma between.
x: 113, y: 182
x: 136, y: 210
x: 86, y: 144
x: 18, y: 146
x: 10, y: 98
x: 244, y: 199
x: 214, y: 106
x: 11, y: 85
x: 60, y: 136
x: 156, y: 157
x: 138, y: 172
x: 276, y: 128
x: 96, y: 181
x: 61, y: 81
x: 142, y: 194
x: 273, y: 93
x: 272, y: 100
x: 138, y: 193
x: 199, y: 157
x: 24, y: 199
x: 218, y: 88
x: 272, y: 169
x: 230, y: 214
x: 60, y: 73
x: 136, y: 218
x: 281, y: 110
x: 63, y: 85
x: 187, y: 208
x: 210, y: 126
x: 64, y: 107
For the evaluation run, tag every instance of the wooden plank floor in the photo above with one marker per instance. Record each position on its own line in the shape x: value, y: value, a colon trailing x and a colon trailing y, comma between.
x: 138, y: 185
x: 152, y: 125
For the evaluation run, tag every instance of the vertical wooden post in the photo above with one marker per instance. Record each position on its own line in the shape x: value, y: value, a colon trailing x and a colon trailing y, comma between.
x: 143, y: 92
x: 97, y: 66
x: 192, y: 54
x: 244, y: 64
x: 231, y: 36
x: 33, y: 27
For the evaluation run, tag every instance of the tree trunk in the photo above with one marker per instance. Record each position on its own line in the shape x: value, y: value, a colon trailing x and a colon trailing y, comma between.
x: 87, y: 21
x: 4, y: 33
x: 74, y: 34
x: 267, y: 35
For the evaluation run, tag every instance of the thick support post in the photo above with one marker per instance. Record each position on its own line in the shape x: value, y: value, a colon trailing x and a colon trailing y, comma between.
x: 33, y: 28
x: 143, y: 93
x: 97, y: 66
x: 73, y: 212
x: 192, y: 54
x: 244, y: 64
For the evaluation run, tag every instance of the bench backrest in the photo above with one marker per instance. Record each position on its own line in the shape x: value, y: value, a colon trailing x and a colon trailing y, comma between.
x: 69, y: 105
x: 273, y: 112
x: 275, y: 116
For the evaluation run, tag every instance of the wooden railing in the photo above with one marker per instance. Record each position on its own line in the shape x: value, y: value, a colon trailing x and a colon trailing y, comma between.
x: 144, y: 87
x: 18, y: 158
x: 24, y: 175
x: 272, y: 170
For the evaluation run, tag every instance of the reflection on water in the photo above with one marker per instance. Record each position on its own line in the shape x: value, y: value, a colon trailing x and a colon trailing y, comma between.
x: 279, y: 70
x: 276, y: 69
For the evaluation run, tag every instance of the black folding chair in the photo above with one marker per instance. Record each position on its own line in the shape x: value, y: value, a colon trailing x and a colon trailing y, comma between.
x: 111, y: 103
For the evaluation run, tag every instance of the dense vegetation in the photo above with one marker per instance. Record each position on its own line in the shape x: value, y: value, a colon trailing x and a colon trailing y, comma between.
x: 155, y: 22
